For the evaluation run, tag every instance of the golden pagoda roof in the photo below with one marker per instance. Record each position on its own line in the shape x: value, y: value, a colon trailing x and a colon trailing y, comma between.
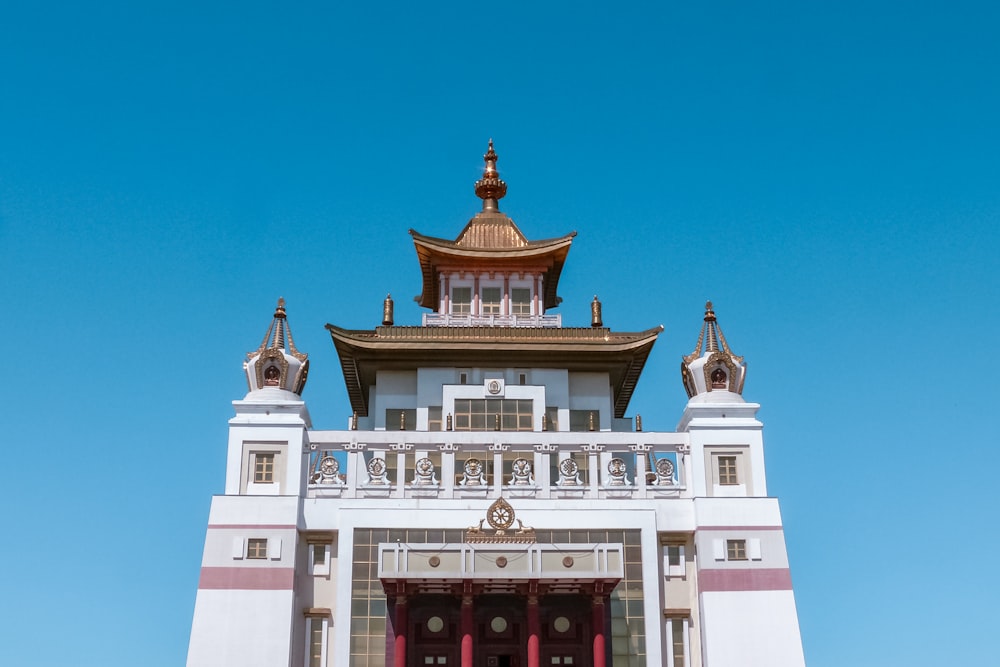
x: 490, y: 240
x: 583, y: 349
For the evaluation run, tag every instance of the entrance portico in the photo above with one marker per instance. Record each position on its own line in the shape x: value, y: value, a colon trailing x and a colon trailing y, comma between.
x: 499, y: 604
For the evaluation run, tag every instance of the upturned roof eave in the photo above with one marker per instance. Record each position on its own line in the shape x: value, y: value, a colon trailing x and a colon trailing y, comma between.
x: 432, y: 252
x: 362, y: 353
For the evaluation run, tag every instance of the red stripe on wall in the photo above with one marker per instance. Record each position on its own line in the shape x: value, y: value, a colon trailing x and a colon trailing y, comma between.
x: 760, y: 579
x: 247, y: 578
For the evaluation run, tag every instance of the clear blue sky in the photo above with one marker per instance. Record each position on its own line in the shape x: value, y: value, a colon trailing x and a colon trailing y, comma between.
x: 827, y: 173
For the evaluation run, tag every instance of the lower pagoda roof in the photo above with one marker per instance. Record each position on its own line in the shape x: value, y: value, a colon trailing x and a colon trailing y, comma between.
x: 582, y: 349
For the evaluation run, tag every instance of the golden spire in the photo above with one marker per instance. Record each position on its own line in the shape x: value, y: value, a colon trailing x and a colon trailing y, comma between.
x: 490, y: 188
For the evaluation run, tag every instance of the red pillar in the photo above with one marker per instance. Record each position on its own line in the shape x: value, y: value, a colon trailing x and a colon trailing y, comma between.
x: 597, y: 628
x: 400, y: 626
x: 468, y: 627
x: 534, y: 658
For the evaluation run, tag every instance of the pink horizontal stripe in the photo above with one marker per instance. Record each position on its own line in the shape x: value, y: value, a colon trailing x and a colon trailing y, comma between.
x: 247, y: 578
x: 739, y: 527
x: 258, y: 526
x: 759, y: 579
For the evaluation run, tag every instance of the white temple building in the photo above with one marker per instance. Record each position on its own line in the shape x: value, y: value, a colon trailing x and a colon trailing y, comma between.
x: 490, y: 503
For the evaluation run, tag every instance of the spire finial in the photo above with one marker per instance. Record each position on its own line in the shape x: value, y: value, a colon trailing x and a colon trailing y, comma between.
x: 279, y: 312
x: 490, y: 188
x: 709, y: 313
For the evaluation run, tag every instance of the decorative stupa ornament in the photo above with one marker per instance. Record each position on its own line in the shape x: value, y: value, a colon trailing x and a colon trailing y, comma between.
x: 276, y: 364
x: 712, y: 369
x: 490, y: 188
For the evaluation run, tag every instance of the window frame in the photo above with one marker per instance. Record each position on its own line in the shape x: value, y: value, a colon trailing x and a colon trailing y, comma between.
x: 256, y: 548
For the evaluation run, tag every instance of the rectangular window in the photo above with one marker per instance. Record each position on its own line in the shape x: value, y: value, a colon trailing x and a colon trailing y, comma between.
x: 461, y: 300
x: 491, y: 301
x: 493, y: 414
x: 316, y: 641
x: 736, y: 549
x: 520, y: 301
x: 551, y: 418
x: 677, y: 642
x: 263, y: 468
x: 584, y: 420
x: 727, y: 471
x: 434, y: 418
x: 257, y: 548
x: 319, y: 559
x: 673, y: 560
x: 400, y: 420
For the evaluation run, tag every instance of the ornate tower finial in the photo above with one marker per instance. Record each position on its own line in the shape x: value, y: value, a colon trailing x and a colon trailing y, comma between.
x: 712, y: 367
x: 276, y: 363
x: 490, y: 188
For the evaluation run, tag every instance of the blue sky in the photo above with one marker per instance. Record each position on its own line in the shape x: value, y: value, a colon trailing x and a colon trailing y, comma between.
x: 826, y: 173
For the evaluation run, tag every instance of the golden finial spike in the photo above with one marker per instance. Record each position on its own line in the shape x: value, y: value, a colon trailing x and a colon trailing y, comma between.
x: 280, y: 310
x: 490, y: 188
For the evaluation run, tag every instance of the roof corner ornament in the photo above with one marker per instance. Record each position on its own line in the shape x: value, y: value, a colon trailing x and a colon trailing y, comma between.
x: 490, y: 188
x: 596, y: 319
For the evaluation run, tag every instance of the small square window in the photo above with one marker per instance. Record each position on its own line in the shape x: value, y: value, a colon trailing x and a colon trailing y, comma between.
x: 263, y: 468
x: 736, y: 549
x: 257, y: 548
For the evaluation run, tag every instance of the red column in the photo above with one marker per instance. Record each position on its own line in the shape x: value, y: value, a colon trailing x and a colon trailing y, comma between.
x: 400, y: 625
x: 597, y: 628
x: 533, y: 632
x: 468, y: 627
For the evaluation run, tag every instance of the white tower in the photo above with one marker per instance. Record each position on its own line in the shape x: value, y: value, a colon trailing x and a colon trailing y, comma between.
x: 245, y: 610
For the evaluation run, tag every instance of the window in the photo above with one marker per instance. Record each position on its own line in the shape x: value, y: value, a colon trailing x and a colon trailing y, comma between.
x: 461, y: 301
x: 584, y: 420
x: 677, y: 635
x: 256, y: 548
x: 400, y: 420
x: 316, y: 641
x: 520, y: 301
x: 434, y: 418
x: 319, y: 558
x: 727, y: 471
x: 551, y: 418
x: 491, y: 301
x: 673, y: 560
x: 472, y: 414
x: 263, y: 468
x: 736, y: 549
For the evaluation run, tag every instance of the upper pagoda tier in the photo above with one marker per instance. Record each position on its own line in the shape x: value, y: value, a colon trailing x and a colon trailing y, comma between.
x: 491, y: 273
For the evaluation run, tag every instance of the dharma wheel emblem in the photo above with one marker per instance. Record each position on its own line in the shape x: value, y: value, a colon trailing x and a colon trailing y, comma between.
x: 500, y: 515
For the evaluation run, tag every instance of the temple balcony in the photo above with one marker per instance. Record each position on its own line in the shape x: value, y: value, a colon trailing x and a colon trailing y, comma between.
x: 463, y: 464
x: 445, y: 320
